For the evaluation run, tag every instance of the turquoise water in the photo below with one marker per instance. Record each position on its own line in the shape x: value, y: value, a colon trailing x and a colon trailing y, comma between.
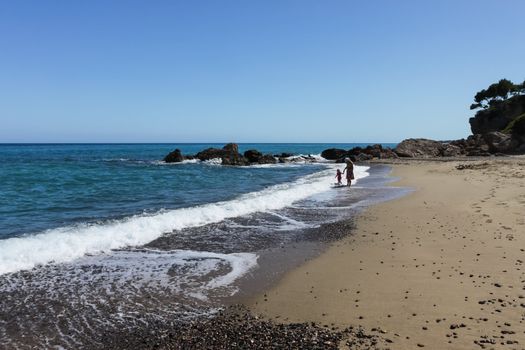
x: 45, y: 186
x: 107, y: 236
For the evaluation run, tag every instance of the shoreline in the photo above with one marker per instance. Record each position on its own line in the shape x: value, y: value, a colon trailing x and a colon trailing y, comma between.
x: 276, y: 261
x: 440, y: 268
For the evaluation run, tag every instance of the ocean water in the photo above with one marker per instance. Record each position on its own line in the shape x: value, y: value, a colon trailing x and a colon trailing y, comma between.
x: 109, y: 231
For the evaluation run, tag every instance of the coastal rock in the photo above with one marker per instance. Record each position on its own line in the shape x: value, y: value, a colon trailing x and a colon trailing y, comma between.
x: 267, y: 159
x: 234, y: 159
x: 498, y: 116
x: 210, y: 153
x: 174, y: 157
x: 378, y: 151
x: 499, y: 142
x: 229, y: 155
x: 388, y: 153
x: 231, y: 148
x: 333, y: 153
x: 253, y: 155
x: 361, y: 157
x: 283, y: 155
x: 451, y: 150
x: 419, y: 148
x: 359, y: 153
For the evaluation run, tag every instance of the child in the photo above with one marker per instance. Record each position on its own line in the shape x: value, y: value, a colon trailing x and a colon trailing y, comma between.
x: 339, y: 176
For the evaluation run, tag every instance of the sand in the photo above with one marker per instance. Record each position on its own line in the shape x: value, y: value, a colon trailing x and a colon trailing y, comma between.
x: 441, y: 268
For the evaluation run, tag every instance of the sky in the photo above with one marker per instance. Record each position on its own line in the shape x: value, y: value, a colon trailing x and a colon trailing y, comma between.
x: 251, y: 71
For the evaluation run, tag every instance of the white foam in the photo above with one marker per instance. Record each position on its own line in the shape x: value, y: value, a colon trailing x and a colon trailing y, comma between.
x: 213, y: 161
x: 71, y: 242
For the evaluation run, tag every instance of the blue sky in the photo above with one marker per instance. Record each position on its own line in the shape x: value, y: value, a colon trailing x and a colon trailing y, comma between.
x: 251, y: 71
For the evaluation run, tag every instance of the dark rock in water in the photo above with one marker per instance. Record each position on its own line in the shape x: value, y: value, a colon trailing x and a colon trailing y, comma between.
x: 360, y: 154
x: 229, y: 155
x: 283, y: 155
x: 267, y: 159
x: 210, y: 153
x: 232, y: 157
x: 174, y: 157
x: 355, y: 151
x: 362, y: 157
x: 374, y: 150
x: 253, y: 155
x: 333, y: 153
x: 231, y: 148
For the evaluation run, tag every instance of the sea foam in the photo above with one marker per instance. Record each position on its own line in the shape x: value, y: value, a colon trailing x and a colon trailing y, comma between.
x: 71, y: 242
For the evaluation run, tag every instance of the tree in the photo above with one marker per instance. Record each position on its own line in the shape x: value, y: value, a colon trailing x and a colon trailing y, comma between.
x: 496, y: 93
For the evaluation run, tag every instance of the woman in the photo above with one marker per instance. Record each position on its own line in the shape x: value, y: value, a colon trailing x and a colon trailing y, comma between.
x: 349, y: 171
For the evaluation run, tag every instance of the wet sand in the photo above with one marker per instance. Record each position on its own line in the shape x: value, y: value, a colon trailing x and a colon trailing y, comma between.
x: 441, y: 268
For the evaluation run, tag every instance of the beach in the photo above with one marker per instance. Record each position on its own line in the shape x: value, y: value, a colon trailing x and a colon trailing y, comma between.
x: 440, y: 268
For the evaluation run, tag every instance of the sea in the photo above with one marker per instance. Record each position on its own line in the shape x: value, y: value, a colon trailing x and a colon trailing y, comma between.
x: 95, y: 237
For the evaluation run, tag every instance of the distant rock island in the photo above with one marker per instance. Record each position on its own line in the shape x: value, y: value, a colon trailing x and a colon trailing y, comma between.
x: 229, y: 155
x: 498, y: 128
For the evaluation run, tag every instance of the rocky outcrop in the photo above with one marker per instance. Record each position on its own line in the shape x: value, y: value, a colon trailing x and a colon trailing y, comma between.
x: 334, y: 153
x: 255, y: 157
x: 358, y: 154
x: 283, y: 155
x: 418, y: 148
x: 498, y: 116
x: 425, y: 148
x: 174, y: 157
x: 229, y: 155
x: 210, y: 153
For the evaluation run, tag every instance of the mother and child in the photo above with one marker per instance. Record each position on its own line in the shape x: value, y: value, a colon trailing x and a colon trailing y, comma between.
x: 349, y: 173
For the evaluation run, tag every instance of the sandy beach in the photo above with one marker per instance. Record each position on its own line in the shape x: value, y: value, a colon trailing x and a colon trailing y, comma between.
x: 441, y: 268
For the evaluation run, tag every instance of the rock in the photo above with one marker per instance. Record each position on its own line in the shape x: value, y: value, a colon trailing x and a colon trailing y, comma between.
x: 231, y: 148
x: 419, y: 148
x: 499, y: 142
x: 374, y: 150
x: 451, y: 150
x: 333, y: 153
x: 234, y: 159
x: 253, y: 155
x: 387, y: 153
x: 174, y: 157
x: 361, y: 157
x: 497, y: 117
x: 210, y: 153
x: 229, y: 155
x: 283, y: 155
x: 267, y: 159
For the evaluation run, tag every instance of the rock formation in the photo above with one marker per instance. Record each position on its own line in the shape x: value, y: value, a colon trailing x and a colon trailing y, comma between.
x: 174, y: 157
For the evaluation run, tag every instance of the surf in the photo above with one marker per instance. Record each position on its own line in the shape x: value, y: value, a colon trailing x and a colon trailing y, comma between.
x: 68, y: 243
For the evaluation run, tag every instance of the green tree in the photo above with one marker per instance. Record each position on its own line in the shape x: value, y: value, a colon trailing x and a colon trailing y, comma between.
x: 496, y: 93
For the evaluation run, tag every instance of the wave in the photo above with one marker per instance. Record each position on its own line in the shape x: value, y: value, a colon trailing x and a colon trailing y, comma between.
x: 71, y: 242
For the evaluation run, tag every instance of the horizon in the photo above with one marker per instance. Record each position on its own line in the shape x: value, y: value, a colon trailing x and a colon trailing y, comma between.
x: 304, y: 72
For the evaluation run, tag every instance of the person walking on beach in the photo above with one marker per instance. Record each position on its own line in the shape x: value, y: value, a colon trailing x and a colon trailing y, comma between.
x: 339, y: 176
x: 349, y: 171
